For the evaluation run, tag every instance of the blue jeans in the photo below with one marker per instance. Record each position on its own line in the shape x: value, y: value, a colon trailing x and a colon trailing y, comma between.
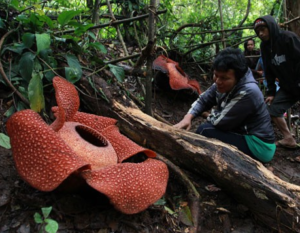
x: 238, y: 140
x: 266, y: 84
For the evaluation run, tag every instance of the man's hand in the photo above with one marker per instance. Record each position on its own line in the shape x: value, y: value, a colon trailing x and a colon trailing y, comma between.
x: 185, y: 123
x: 269, y: 100
x: 259, y: 72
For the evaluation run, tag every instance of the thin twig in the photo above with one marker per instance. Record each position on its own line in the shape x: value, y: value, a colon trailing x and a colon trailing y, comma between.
x: 288, y: 22
x: 136, y: 35
x: 122, y: 58
x: 95, y: 72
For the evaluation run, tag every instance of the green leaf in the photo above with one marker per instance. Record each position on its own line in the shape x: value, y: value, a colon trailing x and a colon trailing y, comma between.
x: 26, y: 65
x: 65, y: 17
x: 160, y: 202
x: 35, y: 23
x: 48, y: 73
x: 46, y: 211
x: 10, y: 111
x: 15, y: 4
x: 42, y: 41
x: 44, y: 55
x: 37, y: 66
x: 4, y: 141
x: 47, y: 20
x: 81, y: 29
x: 103, y: 96
x: 28, y: 39
x: 24, y: 91
x: 21, y: 106
x: 16, y: 48
x: 35, y: 93
x: 92, y: 35
x: 169, y: 210
x: 185, y: 216
x: 38, y: 218
x: 2, y: 24
x: 60, y: 39
x: 14, y: 73
x: 72, y: 37
x: 118, y: 72
x: 98, y: 46
x: 74, y: 71
x: 130, y: 6
x: 52, y: 226
x: 22, y: 18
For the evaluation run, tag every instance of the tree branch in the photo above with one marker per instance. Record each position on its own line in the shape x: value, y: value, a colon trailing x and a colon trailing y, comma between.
x: 117, y: 22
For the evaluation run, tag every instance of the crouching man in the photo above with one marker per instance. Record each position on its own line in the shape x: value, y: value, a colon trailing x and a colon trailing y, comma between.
x: 239, y: 114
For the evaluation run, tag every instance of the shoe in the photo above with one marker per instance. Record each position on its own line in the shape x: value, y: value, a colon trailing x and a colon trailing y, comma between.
x: 280, y: 144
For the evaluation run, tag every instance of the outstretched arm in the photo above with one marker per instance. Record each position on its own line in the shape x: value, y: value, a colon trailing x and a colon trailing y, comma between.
x: 185, y: 123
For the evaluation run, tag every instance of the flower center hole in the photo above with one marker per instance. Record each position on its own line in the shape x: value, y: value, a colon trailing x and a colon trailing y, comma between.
x: 91, y: 136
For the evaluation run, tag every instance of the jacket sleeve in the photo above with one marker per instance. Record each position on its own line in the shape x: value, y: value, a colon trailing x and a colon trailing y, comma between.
x: 204, y: 102
x: 294, y: 51
x: 234, y: 113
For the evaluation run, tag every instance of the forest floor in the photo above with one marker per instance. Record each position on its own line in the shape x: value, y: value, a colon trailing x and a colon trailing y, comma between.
x: 88, y: 211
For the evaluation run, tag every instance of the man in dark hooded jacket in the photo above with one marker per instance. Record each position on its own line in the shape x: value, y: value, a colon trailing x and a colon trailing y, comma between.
x: 281, y: 57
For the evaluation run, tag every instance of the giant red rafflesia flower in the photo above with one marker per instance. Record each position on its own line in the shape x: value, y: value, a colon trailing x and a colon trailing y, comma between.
x: 81, y: 145
x: 178, y: 79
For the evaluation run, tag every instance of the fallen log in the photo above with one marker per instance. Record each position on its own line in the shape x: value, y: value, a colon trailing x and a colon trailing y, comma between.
x: 273, y: 202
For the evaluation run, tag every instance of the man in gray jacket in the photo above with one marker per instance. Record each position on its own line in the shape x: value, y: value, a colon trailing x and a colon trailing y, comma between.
x: 239, y: 115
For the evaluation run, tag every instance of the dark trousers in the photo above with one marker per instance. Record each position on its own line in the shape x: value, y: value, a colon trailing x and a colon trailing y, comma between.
x: 238, y: 140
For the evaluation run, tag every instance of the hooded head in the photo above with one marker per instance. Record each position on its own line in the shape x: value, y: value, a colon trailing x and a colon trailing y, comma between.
x: 259, y: 23
x: 269, y: 22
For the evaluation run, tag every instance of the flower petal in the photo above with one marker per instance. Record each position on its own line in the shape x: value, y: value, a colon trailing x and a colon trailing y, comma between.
x: 67, y: 100
x: 98, y: 123
x: 42, y: 159
x: 178, y: 81
x: 124, y: 147
x: 131, y: 187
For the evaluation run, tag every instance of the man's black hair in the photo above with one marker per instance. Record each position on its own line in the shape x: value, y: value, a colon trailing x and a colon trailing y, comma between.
x: 231, y: 58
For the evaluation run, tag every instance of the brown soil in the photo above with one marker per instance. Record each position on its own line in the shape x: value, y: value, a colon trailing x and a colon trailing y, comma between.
x: 88, y: 211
